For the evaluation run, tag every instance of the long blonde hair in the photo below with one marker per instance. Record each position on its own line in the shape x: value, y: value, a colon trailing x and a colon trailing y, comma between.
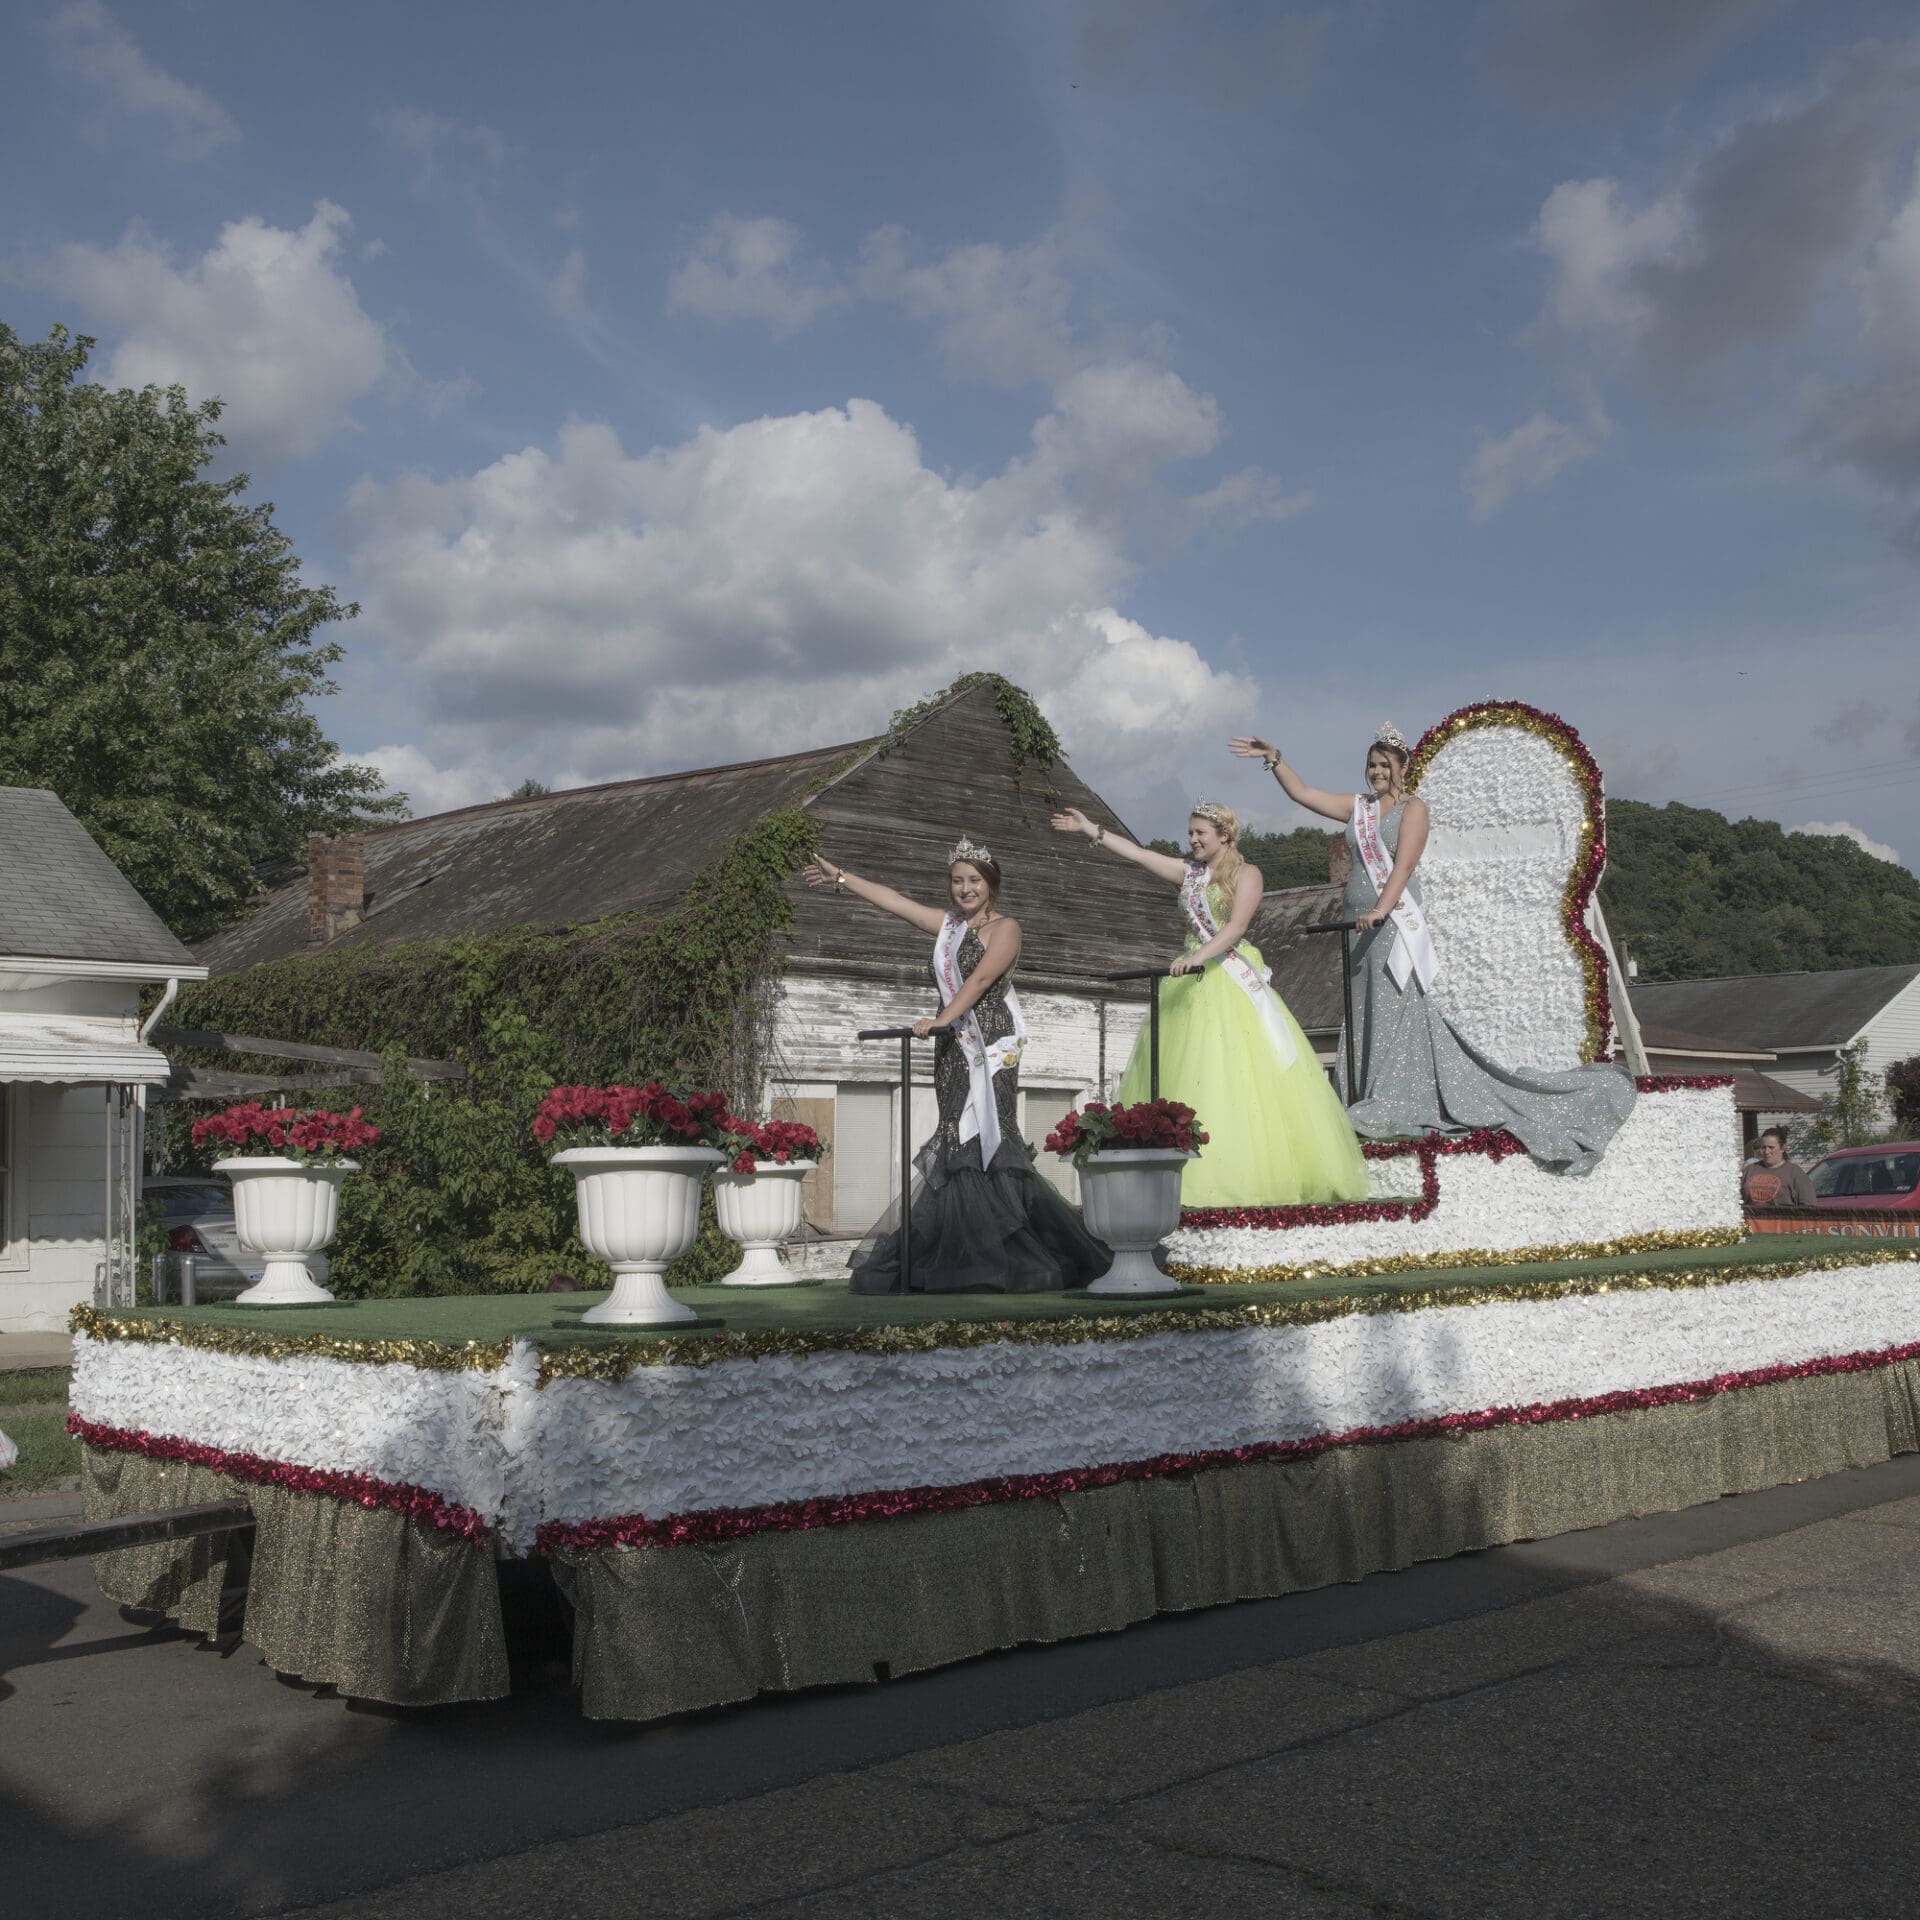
x: 1225, y: 822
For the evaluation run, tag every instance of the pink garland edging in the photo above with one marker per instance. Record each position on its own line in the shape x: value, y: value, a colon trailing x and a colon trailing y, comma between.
x: 357, y: 1489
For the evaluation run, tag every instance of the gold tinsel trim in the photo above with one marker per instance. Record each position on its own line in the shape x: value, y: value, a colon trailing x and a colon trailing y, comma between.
x: 1432, y: 1262
x: 1554, y: 731
x: 433, y: 1356
x: 614, y: 1363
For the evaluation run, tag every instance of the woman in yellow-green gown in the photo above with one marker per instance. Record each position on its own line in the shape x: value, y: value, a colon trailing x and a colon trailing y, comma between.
x: 1277, y: 1134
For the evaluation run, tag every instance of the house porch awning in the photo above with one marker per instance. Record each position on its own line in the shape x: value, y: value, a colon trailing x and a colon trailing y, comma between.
x: 68, y: 1049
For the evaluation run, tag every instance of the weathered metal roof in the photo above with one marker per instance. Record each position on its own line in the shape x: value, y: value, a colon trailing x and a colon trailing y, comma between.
x: 1780, y: 1012
x: 62, y: 898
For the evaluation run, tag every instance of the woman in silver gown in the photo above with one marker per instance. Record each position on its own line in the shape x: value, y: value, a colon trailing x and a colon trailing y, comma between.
x: 1416, y: 1073
x: 983, y: 1220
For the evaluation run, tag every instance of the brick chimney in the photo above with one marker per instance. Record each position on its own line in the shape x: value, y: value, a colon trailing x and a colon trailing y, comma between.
x: 336, y: 885
x: 1339, y: 859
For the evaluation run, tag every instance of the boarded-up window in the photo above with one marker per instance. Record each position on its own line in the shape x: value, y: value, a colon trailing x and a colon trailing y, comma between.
x: 816, y: 1190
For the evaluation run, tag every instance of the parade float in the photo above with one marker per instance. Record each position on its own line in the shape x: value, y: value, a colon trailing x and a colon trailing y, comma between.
x: 798, y: 1486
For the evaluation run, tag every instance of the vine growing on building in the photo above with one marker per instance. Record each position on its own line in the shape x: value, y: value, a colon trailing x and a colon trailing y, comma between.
x: 460, y: 1198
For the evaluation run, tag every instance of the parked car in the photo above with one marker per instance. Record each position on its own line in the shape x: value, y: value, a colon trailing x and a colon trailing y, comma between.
x: 196, y: 1217
x: 1884, y: 1176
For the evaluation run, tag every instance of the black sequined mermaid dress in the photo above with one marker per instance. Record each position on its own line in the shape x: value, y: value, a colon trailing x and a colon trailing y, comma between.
x: 980, y: 1228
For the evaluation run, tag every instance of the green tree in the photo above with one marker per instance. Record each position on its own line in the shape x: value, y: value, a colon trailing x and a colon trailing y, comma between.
x: 529, y: 789
x: 157, y: 648
x: 1690, y: 894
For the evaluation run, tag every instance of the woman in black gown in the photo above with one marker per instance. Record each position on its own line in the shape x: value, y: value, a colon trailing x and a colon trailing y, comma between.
x: 983, y: 1221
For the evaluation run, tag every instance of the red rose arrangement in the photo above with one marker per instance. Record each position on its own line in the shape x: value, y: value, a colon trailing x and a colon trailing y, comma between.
x: 1097, y: 1128
x: 314, y: 1139
x: 649, y: 1116
x: 780, y: 1140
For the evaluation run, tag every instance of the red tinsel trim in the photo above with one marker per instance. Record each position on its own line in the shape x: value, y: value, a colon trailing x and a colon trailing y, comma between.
x: 713, y: 1526
x: 1682, y: 1082
x: 360, y: 1489
x: 1580, y: 886
x: 1494, y: 1142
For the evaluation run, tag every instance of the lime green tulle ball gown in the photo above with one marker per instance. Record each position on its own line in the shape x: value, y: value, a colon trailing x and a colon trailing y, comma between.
x: 1277, y: 1133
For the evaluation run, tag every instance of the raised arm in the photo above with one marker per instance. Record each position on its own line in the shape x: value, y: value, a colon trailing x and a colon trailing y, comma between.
x: 1000, y: 948
x: 1336, y: 806
x: 1072, y: 820
x: 1414, y: 821
x: 1248, y: 886
x: 822, y: 872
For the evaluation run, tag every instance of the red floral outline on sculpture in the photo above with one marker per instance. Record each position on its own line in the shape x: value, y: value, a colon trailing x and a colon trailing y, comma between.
x: 716, y: 1525
x: 357, y: 1489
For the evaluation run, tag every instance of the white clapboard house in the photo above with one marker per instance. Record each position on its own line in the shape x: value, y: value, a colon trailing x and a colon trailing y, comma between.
x: 77, y: 945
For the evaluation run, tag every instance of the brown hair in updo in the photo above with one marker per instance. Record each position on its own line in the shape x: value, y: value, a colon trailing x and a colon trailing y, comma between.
x: 988, y: 870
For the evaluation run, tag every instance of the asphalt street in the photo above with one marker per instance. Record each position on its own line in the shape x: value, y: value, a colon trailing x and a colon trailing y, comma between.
x: 1710, y: 1712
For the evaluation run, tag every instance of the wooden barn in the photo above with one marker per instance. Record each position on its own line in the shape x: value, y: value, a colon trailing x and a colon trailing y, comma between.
x: 889, y: 809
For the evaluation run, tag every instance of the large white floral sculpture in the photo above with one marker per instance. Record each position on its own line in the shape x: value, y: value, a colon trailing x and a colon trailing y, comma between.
x: 1516, y: 849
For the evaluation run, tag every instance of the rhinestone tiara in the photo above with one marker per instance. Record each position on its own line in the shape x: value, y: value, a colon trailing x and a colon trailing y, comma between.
x: 966, y: 850
x: 1209, y: 810
x: 1388, y: 735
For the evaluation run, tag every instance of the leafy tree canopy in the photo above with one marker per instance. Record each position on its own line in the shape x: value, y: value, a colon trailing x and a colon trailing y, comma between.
x: 1690, y: 894
x: 157, y: 649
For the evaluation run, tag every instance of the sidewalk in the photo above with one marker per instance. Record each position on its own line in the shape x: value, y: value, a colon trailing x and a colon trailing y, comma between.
x: 21, y: 1350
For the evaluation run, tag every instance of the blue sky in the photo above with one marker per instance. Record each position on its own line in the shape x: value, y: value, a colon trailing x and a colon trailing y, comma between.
x: 673, y: 385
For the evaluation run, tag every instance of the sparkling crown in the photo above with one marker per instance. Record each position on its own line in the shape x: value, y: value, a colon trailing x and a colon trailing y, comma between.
x: 1210, y: 810
x: 966, y: 850
x: 1389, y: 736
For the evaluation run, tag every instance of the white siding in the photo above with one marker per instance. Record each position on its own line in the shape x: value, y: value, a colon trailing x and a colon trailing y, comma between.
x: 59, y: 1151
x: 814, y: 1054
x: 61, y: 1175
x: 1894, y: 1032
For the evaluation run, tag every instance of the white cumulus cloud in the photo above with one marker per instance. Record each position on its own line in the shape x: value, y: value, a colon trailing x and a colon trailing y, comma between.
x: 584, y: 613
x: 1846, y: 830
x: 265, y: 319
x: 89, y: 46
x: 1533, y: 455
x: 751, y: 270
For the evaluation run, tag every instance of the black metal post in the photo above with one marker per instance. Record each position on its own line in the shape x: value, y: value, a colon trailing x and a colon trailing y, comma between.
x: 906, y: 1036
x: 1153, y: 1038
x: 906, y: 1161
x: 1344, y: 928
x: 1152, y: 975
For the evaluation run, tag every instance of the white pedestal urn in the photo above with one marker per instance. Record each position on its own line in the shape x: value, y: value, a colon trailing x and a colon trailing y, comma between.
x: 285, y: 1209
x: 759, y: 1212
x: 1131, y: 1199
x: 639, y: 1212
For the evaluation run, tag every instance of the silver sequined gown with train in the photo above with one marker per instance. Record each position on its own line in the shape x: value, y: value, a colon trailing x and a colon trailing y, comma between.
x: 1418, y: 1074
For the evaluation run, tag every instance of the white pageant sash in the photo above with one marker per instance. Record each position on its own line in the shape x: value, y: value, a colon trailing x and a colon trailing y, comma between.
x: 1413, y: 944
x: 1255, y: 982
x: 981, y: 1116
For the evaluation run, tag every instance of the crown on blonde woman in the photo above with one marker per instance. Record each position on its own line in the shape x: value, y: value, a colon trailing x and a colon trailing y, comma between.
x: 966, y: 850
x: 1388, y: 735
x: 1222, y: 817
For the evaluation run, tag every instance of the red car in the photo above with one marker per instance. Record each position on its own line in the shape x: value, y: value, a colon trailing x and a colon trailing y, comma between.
x: 1884, y: 1176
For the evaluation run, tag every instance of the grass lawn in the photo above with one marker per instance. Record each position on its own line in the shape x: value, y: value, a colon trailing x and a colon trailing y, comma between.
x: 33, y: 1415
